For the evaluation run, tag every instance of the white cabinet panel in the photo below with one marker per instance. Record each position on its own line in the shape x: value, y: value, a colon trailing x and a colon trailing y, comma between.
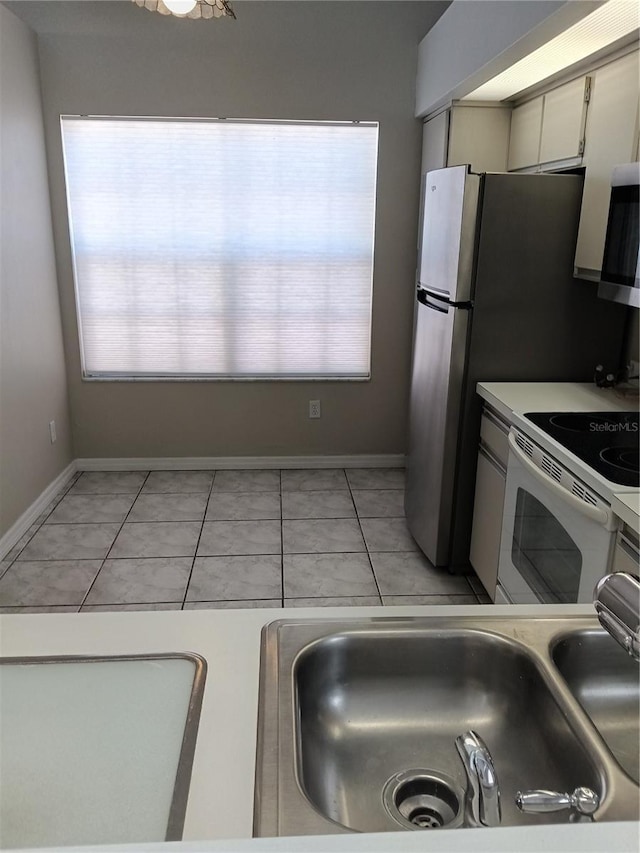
x: 563, y: 122
x: 463, y: 134
x: 625, y: 556
x: 526, y: 127
x: 487, y: 523
x: 479, y: 136
x: 435, y: 137
x: 610, y: 139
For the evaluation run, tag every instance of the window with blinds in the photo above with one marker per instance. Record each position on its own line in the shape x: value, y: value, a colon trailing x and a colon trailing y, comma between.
x: 222, y: 249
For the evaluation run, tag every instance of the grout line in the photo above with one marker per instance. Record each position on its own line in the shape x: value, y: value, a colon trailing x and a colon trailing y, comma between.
x: 252, y: 554
x: 375, y: 579
x: 114, y: 541
x: 281, y: 545
x: 195, y: 553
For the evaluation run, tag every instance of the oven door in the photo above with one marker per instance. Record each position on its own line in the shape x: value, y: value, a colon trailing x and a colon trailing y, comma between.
x: 556, y: 534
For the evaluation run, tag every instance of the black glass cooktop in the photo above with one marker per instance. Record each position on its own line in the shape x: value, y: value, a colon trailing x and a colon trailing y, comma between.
x: 606, y: 441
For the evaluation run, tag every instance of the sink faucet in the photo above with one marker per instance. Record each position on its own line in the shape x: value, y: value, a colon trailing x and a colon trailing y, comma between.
x: 616, y: 599
x: 483, y: 791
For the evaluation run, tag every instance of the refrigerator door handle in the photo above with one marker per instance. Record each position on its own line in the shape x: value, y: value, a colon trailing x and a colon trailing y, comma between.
x: 427, y: 300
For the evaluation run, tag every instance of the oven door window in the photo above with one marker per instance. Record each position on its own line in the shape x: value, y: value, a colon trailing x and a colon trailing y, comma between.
x: 543, y: 552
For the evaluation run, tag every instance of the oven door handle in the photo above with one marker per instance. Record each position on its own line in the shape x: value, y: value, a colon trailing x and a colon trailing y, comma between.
x: 595, y: 513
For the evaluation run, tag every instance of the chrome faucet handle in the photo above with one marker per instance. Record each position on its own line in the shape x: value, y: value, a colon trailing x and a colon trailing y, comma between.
x: 616, y: 599
x: 483, y: 790
x: 583, y: 800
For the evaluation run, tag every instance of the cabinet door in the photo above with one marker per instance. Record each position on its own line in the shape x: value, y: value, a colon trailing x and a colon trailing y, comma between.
x: 563, y: 116
x: 487, y: 522
x: 524, y: 142
x: 625, y: 557
x: 435, y: 139
x: 479, y: 136
x: 610, y: 139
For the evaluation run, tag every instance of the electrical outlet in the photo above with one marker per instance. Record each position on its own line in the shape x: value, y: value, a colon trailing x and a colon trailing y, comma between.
x: 633, y: 367
x: 52, y: 432
x: 314, y: 408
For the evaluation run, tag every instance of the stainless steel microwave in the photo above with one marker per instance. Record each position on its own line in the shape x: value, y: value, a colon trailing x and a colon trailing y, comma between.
x: 620, y: 277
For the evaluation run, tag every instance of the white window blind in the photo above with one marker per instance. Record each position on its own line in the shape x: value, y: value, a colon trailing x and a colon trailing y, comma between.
x: 219, y: 248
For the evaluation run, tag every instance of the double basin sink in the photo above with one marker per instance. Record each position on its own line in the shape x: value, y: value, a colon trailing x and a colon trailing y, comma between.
x: 358, y: 720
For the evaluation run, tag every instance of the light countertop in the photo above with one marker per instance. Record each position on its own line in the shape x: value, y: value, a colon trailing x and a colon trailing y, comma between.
x: 516, y: 398
x: 220, y: 803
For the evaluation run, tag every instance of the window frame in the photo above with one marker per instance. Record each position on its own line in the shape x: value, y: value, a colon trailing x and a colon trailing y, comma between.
x: 129, y: 376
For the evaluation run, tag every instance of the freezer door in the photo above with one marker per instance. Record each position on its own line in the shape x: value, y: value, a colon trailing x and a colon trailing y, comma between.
x: 448, y: 232
x: 436, y: 393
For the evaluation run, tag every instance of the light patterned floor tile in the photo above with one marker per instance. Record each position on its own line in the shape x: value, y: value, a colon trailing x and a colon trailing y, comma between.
x: 323, y: 536
x: 167, y: 507
x: 71, y: 542
x: 247, y: 481
x: 141, y: 581
x: 83, y: 509
x: 352, y: 601
x: 157, y: 539
x: 376, y: 478
x: 45, y: 583
x: 178, y: 482
x: 235, y: 578
x: 415, y: 600
x: 328, y: 575
x: 228, y: 538
x: 317, y: 504
x: 313, y: 479
x: 241, y: 604
x: 408, y: 573
x: 243, y: 506
x: 108, y: 483
x: 60, y: 608
x: 387, y: 534
x: 115, y: 608
x: 379, y: 503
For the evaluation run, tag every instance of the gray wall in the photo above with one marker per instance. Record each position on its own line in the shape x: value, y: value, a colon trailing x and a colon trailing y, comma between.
x: 311, y: 60
x: 33, y: 387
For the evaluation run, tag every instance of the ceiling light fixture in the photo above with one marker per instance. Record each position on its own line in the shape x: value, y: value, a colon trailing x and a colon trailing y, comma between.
x: 189, y: 8
x: 613, y: 20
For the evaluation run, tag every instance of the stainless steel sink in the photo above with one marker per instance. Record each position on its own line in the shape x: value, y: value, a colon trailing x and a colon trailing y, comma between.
x: 358, y: 721
x: 606, y: 683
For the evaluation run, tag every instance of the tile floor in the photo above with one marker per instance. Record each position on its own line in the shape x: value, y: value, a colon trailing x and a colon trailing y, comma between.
x: 171, y: 540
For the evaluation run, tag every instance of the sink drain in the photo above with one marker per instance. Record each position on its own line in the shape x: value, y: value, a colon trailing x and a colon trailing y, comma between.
x: 422, y: 799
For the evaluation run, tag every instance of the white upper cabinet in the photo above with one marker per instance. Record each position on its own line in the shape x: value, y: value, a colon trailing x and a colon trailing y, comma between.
x: 563, y: 119
x: 526, y: 126
x: 611, y: 138
x: 435, y: 138
x: 467, y: 134
x: 549, y: 128
x: 479, y: 136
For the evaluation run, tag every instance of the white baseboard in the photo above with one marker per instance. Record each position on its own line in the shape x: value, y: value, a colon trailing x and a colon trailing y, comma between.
x: 209, y: 463
x: 20, y: 527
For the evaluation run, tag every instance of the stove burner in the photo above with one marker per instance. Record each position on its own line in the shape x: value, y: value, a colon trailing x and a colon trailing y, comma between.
x: 584, y: 421
x: 626, y: 458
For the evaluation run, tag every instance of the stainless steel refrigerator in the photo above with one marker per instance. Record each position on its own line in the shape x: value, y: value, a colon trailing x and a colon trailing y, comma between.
x: 496, y: 301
